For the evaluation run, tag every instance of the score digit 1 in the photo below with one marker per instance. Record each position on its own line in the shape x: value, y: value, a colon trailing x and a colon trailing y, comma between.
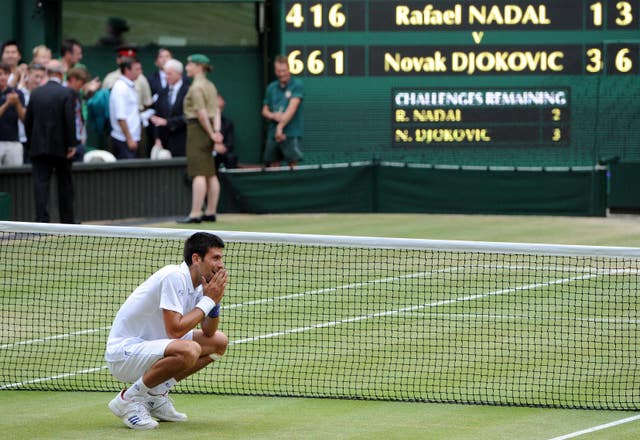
x: 315, y: 62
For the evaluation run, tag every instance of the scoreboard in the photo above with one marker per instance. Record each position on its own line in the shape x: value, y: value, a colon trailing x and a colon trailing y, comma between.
x: 540, y: 83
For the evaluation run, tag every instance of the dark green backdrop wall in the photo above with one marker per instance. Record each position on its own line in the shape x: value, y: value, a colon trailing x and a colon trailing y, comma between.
x: 146, y: 188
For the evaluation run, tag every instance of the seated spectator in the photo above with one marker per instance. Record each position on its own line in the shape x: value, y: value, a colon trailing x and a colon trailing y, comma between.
x: 224, y: 150
x: 169, y: 121
x: 12, y: 110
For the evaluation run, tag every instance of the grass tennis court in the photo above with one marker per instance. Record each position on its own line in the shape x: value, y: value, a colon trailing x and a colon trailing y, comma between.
x: 254, y: 417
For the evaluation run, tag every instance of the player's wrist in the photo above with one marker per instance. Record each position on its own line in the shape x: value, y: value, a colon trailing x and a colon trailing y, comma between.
x: 206, y: 304
x: 215, y: 312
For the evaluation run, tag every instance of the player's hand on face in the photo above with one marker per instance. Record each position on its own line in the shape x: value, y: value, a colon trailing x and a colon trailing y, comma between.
x: 214, y: 288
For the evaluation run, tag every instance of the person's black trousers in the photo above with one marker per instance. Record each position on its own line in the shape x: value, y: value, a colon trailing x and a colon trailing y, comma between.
x: 42, y: 169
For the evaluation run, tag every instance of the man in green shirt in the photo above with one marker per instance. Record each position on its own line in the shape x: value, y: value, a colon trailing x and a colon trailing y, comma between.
x: 282, y: 107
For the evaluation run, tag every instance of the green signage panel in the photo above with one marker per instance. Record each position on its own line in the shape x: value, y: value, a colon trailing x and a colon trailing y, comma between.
x: 516, y: 83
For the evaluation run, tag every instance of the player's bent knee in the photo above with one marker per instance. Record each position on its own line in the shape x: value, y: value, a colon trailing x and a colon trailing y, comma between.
x: 220, y: 342
x: 187, y: 351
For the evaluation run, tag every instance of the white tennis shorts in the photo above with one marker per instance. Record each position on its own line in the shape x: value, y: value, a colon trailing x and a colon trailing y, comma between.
x: 139, y: 356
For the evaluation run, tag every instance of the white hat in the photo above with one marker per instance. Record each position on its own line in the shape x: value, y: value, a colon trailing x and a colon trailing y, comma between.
x: 159, y: 153
x: 96, y: 156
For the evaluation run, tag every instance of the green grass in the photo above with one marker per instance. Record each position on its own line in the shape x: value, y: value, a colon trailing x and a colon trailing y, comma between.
x: 55, y: 415
x: 84, y: 415
x: 616, y: 231
x: 197, y: 24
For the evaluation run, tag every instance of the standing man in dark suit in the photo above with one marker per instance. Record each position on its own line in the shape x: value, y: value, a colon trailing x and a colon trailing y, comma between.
x: 157, y: 80
x: 169, y: 121
x: 51, y: 142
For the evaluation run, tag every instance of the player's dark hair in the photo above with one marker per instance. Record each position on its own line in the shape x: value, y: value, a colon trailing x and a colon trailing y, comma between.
x: 5, y: 67
x: 200, y: 243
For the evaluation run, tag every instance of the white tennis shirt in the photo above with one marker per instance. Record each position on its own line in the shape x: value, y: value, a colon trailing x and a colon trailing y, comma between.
x: 123, y: 104
x: 140, y: 317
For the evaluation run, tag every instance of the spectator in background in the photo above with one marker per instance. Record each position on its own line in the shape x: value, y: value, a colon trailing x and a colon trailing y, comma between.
x: 71, y: 54
x: 41, y: 55
x: 11, y: 55
x: 224, y: 150
x: 142, y: 85
x: 169, y: 121
x: 145, y: 100
x: 12, y: 110
x: 203, y: 132
x: 114, y: 29
x: 126, y: 125
x: 35, y: 77
x: 282, y: 108
x: 51, y: 142
x: 77, y: 77
x: 158, y: 81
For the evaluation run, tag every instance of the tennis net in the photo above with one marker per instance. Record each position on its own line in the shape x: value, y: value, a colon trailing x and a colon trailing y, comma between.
x: 340, y: 317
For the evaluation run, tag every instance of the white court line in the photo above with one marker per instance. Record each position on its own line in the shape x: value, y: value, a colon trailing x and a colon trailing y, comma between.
x: 411, y: 309
x: 45, y: 379
x: 597, y: 428
x: 357, y: 318
x: 343, y: 287
x: 527, y: 317
x: 350, y: 286
x: 250, y: 303
x: 49, y: 338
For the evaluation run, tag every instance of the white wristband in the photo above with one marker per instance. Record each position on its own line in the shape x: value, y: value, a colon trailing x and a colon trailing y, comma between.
x: 206, y: 304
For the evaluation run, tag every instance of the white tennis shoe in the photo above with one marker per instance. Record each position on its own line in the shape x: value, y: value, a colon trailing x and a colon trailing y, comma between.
x: 134, y: 414
x: 162, y: 408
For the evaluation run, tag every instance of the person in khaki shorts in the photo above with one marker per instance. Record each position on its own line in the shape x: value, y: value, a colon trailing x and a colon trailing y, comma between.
x: 203, y: 133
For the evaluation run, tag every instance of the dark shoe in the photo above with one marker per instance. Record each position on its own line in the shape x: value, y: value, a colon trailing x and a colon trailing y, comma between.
x: 190, y: 220
x: 209, y: 218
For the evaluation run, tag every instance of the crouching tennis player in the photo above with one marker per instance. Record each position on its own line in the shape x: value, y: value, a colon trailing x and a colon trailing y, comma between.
x: 153, y: 341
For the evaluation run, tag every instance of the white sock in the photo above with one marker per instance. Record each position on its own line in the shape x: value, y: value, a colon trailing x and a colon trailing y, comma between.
x: 137, y: 391
x: 163, y: 388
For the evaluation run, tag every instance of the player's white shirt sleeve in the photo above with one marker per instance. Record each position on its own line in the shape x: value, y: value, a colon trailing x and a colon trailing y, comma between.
x: 140, y: 318
x: 173, y: 293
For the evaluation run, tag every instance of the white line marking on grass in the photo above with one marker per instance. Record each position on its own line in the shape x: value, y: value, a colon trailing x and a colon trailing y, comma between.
x: 249, y: 303
x: 597, y: 428
x: 348, y: 286
x: 49, y: 338
x: 411, y: 309
x: 353, y: 319
x: 525, y: 317
x: 45, y: 379
x: 343, y: 287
